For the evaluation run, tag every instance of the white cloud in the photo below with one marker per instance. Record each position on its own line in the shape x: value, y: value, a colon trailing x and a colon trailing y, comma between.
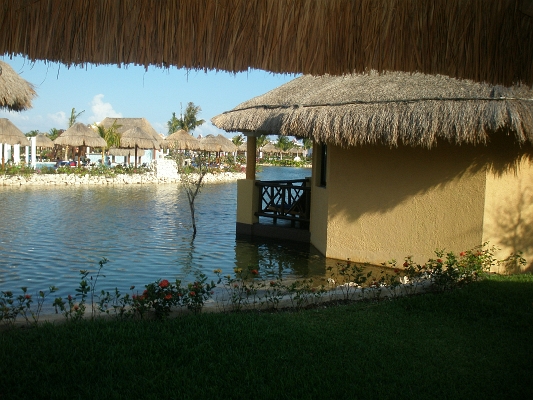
x: 101, y: 110
x: 59, y: 118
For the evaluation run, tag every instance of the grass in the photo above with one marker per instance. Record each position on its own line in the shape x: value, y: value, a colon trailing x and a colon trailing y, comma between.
x: 475, y: 343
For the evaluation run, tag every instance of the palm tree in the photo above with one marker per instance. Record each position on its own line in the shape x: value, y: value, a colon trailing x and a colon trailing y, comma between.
x: 32, y: 133
x: 74, y: 116
x: 173, y: 124
x: 189, y: 120
x: 53, y: 133
x: 238, y: 140
x: 261, y: 141
x: 308, y: 144
x: 110, y: 135
x: 283, y: 144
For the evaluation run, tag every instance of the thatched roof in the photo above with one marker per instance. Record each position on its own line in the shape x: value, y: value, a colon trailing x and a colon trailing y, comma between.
x: 217, y: 143
x: 41, y: 140
x: 391, y: 108
x: 488, y: 41
x: 15, y: 93
x: 125, y: 152
x: 10, y: 134
x: 138, y: 137
x: 80, y: 135
x: 125, y: 124
x: 181, y: 140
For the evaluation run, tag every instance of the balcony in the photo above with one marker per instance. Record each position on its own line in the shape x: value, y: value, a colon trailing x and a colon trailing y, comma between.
x: 284, y: 203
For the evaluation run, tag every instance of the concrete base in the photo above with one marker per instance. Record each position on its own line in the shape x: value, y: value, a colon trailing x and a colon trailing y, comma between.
x: 273, y: 231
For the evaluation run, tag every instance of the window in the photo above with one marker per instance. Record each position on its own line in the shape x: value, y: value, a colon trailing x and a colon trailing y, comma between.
x: 323, y: 164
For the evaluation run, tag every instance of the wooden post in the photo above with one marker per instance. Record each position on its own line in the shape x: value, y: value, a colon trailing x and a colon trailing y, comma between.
x: 251, y: 154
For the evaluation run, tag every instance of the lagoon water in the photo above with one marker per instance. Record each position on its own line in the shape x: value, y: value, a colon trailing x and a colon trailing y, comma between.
x: 51, y: 233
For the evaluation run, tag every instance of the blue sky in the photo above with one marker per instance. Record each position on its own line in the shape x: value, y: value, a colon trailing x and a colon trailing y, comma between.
x: 132, y: 92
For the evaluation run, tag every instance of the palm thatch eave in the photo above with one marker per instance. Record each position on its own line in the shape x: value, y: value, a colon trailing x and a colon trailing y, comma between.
x: 80, y: 135
x: 489, y: 41
x: 16, y: 93
x: 391, y: 108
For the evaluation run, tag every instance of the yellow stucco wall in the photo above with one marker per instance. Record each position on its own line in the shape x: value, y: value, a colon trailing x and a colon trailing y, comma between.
x: 247, y: 200
x: 387, y: 204
x: 508, y: 219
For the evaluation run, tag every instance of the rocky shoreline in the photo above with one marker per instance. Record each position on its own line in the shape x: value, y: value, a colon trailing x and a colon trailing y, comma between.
x: 136, y: 179
x: 163, y: 171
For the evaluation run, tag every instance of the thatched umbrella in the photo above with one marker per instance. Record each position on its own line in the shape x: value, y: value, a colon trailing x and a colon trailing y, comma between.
x: 181, y: 140
x: 41, y: 140
x: 80, y: 135
x: 15, y: 93
x: 392, y: 108
x: 217, y: 144
x: 10, y: 134
x: 137, y: 137
x: 488, y: 41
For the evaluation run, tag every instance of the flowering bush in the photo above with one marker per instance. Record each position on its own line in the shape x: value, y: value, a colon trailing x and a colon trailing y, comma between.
x: 252, y: 287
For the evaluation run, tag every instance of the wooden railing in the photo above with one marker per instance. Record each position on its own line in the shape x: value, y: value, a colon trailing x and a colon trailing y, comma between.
x: 287, y: 200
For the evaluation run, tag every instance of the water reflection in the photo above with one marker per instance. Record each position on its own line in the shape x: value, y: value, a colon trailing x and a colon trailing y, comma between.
x: 50, y: 233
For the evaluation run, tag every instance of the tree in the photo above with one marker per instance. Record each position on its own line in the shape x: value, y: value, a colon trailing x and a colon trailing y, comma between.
x: 173, y: 124
x: 32, y: 133
x: 192, y: 181
x: 53, y: 133
x: 261, y: 141
x: 284, y: 144
x: 110, y: 135
x: 238, y: 140
x: 189, y: 120
x: 74, y: 116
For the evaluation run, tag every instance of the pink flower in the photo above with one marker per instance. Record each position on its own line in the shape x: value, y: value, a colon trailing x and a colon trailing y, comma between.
x: 168, y: 296
x: 164, y: 283
x: 27, y: 297
x: 254, y: 272
x: 462, y: 253
x: 396, y: 271
x: 439, y: 260
x: 192, y: 294
x: 405, y: 264
x: 69, y: 297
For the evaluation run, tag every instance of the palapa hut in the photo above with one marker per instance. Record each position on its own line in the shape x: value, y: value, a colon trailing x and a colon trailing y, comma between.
x: 136, y: 138
x: 488, y: 41
x: 125, y: 124
x: 10, y: 135
x: 405, y: 164
x: 80, y: 135
x: 15, y: 93
x: 181, y: 140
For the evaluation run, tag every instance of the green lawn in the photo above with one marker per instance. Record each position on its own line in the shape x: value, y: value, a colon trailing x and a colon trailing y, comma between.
x: 471, y: 343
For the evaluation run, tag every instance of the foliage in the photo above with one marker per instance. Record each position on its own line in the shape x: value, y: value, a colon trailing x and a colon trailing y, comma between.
x: 253, y: 288
x: 110, y: 135
x: 478, y: 340
x: 17, y: 169
x: 74, y: 116
x: 262, y: 141
x: 32, y: 133
x: 285, y: 162
x: 238, y: 140
x: 188, y: 121
x: 191, y: 179
x: 53, y: 133
x: 174, y: 124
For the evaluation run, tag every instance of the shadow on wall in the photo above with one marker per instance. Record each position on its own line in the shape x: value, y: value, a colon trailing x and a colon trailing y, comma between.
x: 386, y: 177
x: 515, y: 220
